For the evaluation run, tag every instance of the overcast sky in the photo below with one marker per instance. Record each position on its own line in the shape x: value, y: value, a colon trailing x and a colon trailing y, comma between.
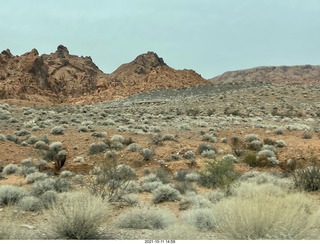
x: 208, y: 36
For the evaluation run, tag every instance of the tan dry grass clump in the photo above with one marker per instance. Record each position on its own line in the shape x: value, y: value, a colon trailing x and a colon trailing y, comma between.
x: 267, y: 211
x: 77, y: 216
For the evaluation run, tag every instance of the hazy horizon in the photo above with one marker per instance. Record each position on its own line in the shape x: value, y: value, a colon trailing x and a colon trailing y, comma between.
x: 210, y: 37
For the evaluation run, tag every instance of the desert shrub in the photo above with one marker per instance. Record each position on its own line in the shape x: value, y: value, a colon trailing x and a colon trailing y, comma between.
x: 77, y: 216
x: 269, y: 147
x: 146, y: 217
x: 209, y: 138
x: 174, y: 157
x: 229, y: 158
x: 224, y: 140
x: 130, y: 199
x: 11, y: 194
x: 146, y: 171
x: 251, y: 159
x: 45, y: 138
x: 27, y: 162
x: 165, y: 193
x: 78, y: 160
x: 99, y: 134
x: 2, y: 137
x: 216, y: 196
x: 251, y: 137
x: 22, y: 132
x: 48, y: 198
x: 263, y: 161
x: 108, y: 180
x: 116, y: 145
x: 83, y: 128
x: 280, y: 143
x: 218, y: 174
x: 203, y: 219
x: 147, y: 153
x: 117, y: 138
x: 10, y: 169
x: 134, y: 147
x: 192, y: 177
x: 268, y: 141
x: 307, y: 179
x: 267, y: 212
x: 66, y: 174
x: 149, y: 178
x: 112, y: 154
x: 1, y: 167
x: 306, y: 136
x: 55, y: 146
x: 11, y: 138
x: 62, y: 185
x: 150, y: 186
x: 57, y: 130
x: 96, y: 148
x: 29, y: 203
x: 184, y: 127
x: 131, y: 187
x: 41, y: 164
x: 168, y: 137
x: 255, y: 145
x: 189, y: 154
x: 184, y: 187
x: 41, y: 145
x: 180, y: 175
x: 267, y: 152
x: 192, y: 199
x: 32, y: 140
x: 35, y: 176
x: 208, y: 154
x: 26, y: 170
x: 205, y: 147
x: 41, y: 186
x: 278, y: 131
x: 163, y: 175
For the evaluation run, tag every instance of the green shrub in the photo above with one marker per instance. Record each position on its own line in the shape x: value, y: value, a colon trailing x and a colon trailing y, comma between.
x: 209, y: 138
x: 251, y: 159
x: 11, y: 194
x: 203, y: 219
x: 32, y: 140
x: 146, y: 217
x: 165, y: 193
x: 77, y: 216
x: 208, y: 154
x: 218, y: 174
x: 307, y: 179
x: 168, y: 137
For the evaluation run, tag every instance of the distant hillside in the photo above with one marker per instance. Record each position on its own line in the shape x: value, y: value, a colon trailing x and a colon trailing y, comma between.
x: 302, y: 74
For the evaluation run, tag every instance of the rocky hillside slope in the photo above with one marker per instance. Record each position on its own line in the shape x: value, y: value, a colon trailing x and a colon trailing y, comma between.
x: 302, y: 74
x: 60, y: 77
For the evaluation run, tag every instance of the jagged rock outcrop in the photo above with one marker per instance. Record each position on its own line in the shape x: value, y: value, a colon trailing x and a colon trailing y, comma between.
x: 302, y: 74
x: 60, y: 77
